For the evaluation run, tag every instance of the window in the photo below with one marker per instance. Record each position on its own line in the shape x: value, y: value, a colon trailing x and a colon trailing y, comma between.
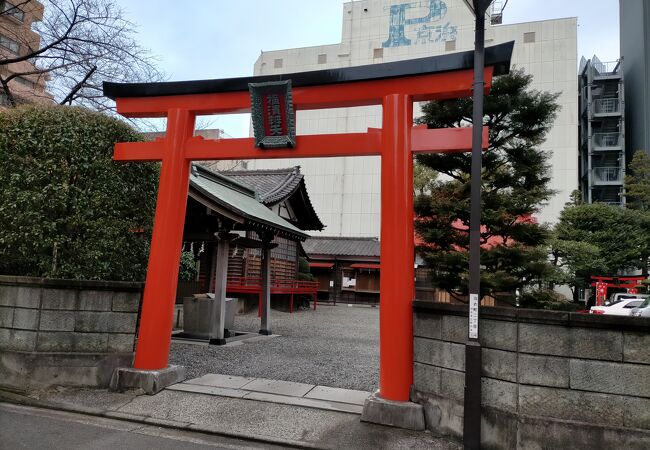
x: 284, y: 259
x: 4, y: 100
x: 378, y: 53
x: 286, y: 249
x: 25, y: 82
x: 322, y: 59
x: 450, y: 46
x: 7, y: 9
x: 349, y: 280
x: 277, y: 63
x: 529, y: 37
x: 283, y: 211
x: 618, y: 298
x: 632, y: 305
x: 9, y: 44
x: 367, y: 281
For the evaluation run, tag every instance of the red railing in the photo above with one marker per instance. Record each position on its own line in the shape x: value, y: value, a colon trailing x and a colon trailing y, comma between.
x: 250, y: 285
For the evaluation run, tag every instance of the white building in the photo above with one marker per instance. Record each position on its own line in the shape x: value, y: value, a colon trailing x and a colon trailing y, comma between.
x: 346, y: 191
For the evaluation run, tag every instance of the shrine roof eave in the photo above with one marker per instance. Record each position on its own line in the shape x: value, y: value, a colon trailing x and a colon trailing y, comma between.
x: 277, y: 185
x: 496, y: 56
x: 219, y: 190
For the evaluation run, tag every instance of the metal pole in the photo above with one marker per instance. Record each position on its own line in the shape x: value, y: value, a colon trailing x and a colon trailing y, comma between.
x: 267, y: 245
x: 472, y: 398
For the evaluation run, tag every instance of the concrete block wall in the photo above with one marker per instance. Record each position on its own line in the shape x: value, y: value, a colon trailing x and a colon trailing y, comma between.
x: 549, y: 379
x: 65, y: 332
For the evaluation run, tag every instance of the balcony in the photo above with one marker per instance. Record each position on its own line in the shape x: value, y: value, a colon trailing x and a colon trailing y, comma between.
x: 606, y: 69
x: 606, y: 107
x: 607, y: 175
x: 607, y: 141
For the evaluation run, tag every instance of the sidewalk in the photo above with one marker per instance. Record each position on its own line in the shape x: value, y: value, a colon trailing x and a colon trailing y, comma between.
x: 240, y: 416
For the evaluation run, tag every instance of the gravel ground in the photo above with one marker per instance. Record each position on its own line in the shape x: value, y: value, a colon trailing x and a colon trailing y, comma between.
x: 333, y: 346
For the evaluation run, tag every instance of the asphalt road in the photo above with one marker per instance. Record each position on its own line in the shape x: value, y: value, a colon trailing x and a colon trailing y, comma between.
x: 24, y: 427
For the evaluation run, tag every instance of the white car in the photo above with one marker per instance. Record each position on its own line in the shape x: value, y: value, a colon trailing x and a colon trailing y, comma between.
x: 615, y: 298
x: 622, y: 307
x: 643, y: 310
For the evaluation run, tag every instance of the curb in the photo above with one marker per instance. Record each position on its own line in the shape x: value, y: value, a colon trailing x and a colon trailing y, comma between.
x: 10, y: 397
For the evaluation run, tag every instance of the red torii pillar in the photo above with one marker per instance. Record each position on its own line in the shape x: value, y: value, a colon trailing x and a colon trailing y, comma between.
x: 395, y: 142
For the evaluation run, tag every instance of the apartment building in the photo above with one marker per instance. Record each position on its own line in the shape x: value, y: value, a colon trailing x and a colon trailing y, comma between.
x: 602, y: 131
x: 17, y: 38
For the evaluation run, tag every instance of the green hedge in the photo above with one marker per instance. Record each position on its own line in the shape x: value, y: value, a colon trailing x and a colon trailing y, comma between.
x: 66, y: 209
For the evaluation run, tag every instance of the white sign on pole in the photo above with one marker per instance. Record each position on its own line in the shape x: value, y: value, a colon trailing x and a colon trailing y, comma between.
x: 473, y: 316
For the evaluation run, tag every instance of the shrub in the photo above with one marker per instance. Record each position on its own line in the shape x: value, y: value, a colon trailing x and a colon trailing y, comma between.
x: 304, y: 273
x: 187, y: 270
x: 67, y: 210
x: 547, y: 299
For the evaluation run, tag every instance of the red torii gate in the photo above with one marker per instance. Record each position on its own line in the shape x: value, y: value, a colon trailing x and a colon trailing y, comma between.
x: 603, y: 283
x: 395, y: 86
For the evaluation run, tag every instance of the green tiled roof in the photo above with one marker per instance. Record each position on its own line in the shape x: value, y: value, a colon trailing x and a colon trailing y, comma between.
x: 241, y: 200
x: 276, y: 185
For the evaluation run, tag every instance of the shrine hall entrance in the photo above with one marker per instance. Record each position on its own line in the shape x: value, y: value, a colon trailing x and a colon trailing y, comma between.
x: 394, y: 86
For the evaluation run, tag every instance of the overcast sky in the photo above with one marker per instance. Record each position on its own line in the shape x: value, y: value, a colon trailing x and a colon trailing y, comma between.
x: 198, y: 39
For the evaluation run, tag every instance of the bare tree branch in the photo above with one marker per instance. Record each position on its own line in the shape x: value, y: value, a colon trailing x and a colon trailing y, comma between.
x: 14, y: 8
x: 78, y: 87
x: 82, y: 44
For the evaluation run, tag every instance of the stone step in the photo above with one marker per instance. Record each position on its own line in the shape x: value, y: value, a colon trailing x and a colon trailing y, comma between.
x: 276, y: 391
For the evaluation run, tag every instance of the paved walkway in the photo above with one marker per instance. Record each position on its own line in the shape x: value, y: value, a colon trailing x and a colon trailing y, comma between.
x: 276, y: 391
x: 335, y: 346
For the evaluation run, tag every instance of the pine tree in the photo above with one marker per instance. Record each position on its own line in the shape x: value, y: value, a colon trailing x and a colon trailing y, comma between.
x: 515, y: 183
x: 637, y: 187
x: 600, y: 239
x: 637, y: 182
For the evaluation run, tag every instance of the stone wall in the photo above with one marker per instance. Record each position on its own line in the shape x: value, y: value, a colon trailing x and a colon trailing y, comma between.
x: 549, y: 379
x: 65, y: 332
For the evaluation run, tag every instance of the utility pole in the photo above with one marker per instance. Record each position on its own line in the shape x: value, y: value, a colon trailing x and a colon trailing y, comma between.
x: 472, y: 397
